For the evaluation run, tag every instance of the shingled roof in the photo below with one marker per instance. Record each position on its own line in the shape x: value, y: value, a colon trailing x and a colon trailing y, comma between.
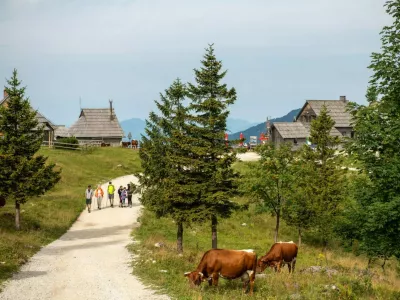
x: 336, y: 109
x: 291, y: 130
x: 40, y: 117
x: 96, y: 122
x: 296, y: 130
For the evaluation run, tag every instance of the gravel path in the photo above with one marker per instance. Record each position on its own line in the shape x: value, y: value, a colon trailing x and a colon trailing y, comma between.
x: 89, y: 262
x: 248, y: 156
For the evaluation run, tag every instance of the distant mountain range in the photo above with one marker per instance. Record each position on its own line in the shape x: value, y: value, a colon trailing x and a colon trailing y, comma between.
x: 235, y: 126
x: 136, y: 126
x: 260, y: 128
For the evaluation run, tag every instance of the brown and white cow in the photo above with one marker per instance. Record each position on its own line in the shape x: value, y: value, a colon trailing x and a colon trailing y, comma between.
x: 229, y: 264
x: 280, y: 254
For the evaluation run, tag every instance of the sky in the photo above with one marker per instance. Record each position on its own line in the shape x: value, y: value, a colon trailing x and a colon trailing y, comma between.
x: 81, y: 53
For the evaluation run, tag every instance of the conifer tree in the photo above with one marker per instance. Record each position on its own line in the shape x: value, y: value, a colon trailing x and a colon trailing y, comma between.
x: 210, y: 100
x: 23, y: 173
x: 328, y: 181
x: 166, y: 182
x: 376, y: 145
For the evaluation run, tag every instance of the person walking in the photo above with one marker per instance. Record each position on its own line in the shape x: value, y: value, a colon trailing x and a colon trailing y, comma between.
x: 124, y: 195
x: 111, y: 190
x: 99, y: 193
x: 130, y: 193
x: 119, y: 195
x: 89, y: 195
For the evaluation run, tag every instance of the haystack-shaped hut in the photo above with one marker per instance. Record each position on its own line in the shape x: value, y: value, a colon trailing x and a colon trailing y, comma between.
x: 97, y: 124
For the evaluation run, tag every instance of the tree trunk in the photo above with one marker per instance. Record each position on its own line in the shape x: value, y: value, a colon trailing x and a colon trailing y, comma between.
x: 214, y: 239
x: 325, y: 251
x: 383, y: 265
x: 17, y: 215
x: 179, y: 238
x: 369, y: 263
x: 299, y: 242
x: 278, y: 217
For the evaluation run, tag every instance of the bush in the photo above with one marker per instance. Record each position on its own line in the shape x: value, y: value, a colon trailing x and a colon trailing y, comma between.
x: 241, y: 150
x: 62, y: 143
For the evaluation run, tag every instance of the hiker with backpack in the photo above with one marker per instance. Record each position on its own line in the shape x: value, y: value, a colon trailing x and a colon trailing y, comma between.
x: 119, y: 195
x: 98, y: 193
x: 130, y: 193
x: 111, y: 190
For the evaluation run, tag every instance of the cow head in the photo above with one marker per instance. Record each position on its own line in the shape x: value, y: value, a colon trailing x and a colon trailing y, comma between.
x: 263, y: 263
x: 195, y: 278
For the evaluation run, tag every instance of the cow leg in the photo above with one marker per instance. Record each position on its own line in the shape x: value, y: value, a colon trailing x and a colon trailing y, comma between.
x: 210, y: 281
x: 245, y: 279
x: 293, y: 264
x: 215, y: 277
x: 289, y: 265
x: 252, y: 278
x: 279, y: 265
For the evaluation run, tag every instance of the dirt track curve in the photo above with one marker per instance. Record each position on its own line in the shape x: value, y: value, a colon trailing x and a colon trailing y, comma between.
x: 89, y: 262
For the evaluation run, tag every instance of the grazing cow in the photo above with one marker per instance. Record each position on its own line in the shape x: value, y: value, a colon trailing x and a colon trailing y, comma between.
x: 135, y: 144
x: 229, y: 264
x: 280, y: 253
x: 125, y: 144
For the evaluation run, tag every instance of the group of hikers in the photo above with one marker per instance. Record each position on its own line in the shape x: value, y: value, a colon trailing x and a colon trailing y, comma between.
x: 124, y: 194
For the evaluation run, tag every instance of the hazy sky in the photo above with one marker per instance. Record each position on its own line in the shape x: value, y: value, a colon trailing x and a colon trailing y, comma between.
x: 278, y: 53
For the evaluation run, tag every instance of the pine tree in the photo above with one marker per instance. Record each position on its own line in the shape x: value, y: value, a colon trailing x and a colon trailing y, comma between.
x: 168, y: 173
x: 23, y: 172
x: 328, y: 181
x: 210, y: 99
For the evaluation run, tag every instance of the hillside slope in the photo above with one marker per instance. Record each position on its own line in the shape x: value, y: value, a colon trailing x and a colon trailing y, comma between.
x: 44, y: 219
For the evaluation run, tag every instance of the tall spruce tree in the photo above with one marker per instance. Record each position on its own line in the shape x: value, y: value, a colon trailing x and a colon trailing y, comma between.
x: 328, y: 181
x: 167, y: 180
x: 376, y: 144
x: 23, y: 173
x: 210, y: 100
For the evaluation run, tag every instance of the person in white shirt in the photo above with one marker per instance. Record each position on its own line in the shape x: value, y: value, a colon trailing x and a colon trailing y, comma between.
x: 89, y: 196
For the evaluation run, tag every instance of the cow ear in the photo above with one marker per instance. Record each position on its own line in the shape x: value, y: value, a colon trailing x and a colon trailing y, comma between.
x: 186, y: 274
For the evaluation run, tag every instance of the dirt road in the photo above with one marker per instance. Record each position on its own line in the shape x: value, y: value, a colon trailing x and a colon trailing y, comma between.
x: 89, y: 262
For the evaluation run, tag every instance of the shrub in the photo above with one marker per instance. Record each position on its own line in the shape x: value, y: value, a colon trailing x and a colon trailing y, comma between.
x: 62, y: 143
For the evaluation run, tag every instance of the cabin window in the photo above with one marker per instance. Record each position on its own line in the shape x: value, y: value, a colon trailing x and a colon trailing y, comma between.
x: 344, y: 133
x: 295, y: 141
x: 352, y: 134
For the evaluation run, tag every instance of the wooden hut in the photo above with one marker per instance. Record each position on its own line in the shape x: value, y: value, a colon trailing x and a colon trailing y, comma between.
x: 97, y: 124
x: 336, y: 109
x: 297, y: 132
x: 48, y: 126
x: 293, y: 132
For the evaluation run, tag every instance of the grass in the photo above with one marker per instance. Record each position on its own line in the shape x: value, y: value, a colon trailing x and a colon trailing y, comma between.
x: 162, y: 268
x: 46, y: 218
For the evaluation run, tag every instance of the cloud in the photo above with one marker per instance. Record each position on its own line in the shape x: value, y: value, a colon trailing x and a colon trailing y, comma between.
x: 105, y: 27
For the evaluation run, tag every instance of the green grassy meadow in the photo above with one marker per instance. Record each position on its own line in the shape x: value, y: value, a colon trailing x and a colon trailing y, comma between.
x: 46, y: 218
x: 164, y: 268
